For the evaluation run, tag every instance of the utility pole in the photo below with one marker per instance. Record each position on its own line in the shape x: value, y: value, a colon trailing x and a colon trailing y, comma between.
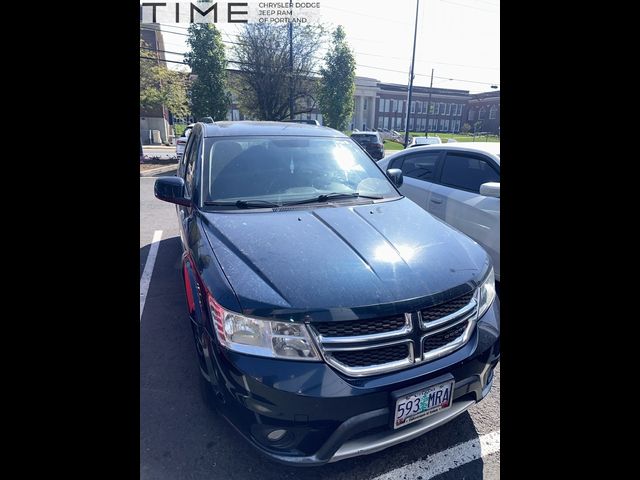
x: 426, y: 129
x: 291, y: 70
x: 413, y: 58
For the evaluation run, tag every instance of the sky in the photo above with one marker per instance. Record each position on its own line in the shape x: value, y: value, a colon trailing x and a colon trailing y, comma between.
x: 459, y: 39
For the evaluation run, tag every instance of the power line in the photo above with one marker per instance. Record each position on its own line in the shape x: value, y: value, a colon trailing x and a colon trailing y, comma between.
x: 360, y: 14
x: 470, y: 6
x: 357, y: 64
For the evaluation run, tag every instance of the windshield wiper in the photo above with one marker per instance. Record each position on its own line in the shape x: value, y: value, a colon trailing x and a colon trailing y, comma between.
x: 329, y: 196
x: 244, y: 204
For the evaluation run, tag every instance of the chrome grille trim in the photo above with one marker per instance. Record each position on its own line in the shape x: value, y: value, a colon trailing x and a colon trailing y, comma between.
x: 372, y: 369
x: 469, y: 308
x: 452, y: 346
x: 413, y: 335
x: 407, y: 328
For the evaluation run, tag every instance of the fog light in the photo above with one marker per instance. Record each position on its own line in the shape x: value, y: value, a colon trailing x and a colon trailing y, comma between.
x: 276, y: 435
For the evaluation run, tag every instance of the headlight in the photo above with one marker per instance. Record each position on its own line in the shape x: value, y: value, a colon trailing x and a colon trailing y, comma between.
x: 265, y: 338
x: 486, y: 293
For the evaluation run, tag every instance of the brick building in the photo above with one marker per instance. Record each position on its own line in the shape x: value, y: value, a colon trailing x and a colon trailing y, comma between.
x: 384, y: 105
x: 153, y: 119
x: 483, y: 112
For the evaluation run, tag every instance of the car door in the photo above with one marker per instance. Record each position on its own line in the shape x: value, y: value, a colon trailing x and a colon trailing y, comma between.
x: 455, y: 198
x: 190, y: 174
x: 419, y: 170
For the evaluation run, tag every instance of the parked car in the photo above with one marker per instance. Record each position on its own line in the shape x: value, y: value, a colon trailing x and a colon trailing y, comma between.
x: 371, y: 142
x: 459, y: 183
x: 303, y: 120
x: 332, y: 317
x: 417, y: 141
x: 181, y: 142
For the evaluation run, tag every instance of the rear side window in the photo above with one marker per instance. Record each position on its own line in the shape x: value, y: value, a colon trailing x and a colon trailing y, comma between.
x: 365, y: 138
x: 467, y: 172
x: 421, y: 166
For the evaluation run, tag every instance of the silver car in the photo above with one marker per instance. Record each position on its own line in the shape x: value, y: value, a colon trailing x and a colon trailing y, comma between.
x: 458, y: 183
x: 181, y: 143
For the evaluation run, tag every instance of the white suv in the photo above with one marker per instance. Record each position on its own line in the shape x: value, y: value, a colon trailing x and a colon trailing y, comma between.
x: 459, y: 183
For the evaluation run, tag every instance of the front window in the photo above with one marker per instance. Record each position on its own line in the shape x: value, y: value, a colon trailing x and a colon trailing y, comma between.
x: 285, y: 170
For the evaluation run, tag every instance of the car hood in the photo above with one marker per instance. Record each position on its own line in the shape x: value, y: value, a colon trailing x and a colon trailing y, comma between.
x: 340, y: 256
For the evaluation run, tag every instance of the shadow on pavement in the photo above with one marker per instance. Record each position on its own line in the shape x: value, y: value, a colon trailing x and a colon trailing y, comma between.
x: 180, y: 438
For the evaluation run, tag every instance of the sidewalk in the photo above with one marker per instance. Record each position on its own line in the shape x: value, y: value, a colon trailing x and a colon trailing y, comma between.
x: 158, y: 147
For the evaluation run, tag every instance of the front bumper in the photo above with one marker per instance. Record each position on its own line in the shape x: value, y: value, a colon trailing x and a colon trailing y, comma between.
x: 330, y: 417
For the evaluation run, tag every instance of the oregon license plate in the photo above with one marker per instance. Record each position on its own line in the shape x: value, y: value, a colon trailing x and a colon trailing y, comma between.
x: 423, y: 403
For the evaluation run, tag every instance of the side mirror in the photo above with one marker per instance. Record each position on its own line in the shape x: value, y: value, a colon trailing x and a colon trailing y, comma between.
x: 171, y: 189
x: 395, y: 175
x: 490, y: 189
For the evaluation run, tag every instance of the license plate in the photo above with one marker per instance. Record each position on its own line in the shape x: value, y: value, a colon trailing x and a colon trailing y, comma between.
x: 423, y: 403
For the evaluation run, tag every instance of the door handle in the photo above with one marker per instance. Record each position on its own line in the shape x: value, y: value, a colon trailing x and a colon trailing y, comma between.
x: 436, y: 200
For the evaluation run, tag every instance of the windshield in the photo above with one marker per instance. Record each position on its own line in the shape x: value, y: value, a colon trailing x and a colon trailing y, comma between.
x: 282, y: 169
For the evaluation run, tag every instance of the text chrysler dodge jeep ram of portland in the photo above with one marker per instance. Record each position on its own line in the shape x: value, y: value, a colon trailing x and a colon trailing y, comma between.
x: 332, y: 316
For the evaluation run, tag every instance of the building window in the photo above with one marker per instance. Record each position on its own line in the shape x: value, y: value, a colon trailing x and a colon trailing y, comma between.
x: 433, y: 123
x: 443, y: 109
x: 436, y: 109
x: 431, y: 108
x: 472, y: 115
x: 365, y: 104
x: 386, y: 122
x: 493, y: 112
x: 411, y: 123
x: 482, y: 113
x: 441, y: 127
x: 380, y: 105
x: 413, y: 107
x: 419, y: 107
x: 386, y: 105
x: 393, y: 105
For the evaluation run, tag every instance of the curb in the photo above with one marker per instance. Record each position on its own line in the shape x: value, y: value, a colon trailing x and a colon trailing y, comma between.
x: 154, y: 171
x: 156, y: 147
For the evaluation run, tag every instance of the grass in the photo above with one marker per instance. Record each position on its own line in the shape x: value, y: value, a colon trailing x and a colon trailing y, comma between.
x: 458, y: 136
x: 391, y: 145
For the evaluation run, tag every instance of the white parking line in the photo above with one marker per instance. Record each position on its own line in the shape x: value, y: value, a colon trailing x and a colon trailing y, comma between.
x: 448, y: 459
x: 145, y: 280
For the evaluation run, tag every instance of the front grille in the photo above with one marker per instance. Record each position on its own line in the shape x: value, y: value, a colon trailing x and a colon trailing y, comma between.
x: 442, y: 310
x: 371, y: 347
x: 374, y: 356
x: 441, y: 339
x: 354, y: 328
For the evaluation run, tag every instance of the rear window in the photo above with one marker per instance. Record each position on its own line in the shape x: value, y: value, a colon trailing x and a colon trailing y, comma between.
x: 365, y: 138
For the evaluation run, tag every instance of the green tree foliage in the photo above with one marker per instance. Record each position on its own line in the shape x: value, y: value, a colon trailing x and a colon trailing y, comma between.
x: 263, y: 81
x: 209, y: 93
x: 466, y: 128
x: 161, y: 86
x: 337, y: 86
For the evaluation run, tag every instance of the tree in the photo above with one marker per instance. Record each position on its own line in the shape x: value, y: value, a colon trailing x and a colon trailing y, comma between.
x: 209, y: 93
x: 466, y: 128
x: 160, y: 86
x: 262, y: 53
x: 337, y: 86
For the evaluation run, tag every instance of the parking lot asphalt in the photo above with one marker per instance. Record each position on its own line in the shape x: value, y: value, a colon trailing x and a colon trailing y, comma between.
x: 180, y: 438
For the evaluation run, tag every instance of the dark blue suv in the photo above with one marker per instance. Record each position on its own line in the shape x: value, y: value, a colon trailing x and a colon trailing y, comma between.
x: 332, y: 317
